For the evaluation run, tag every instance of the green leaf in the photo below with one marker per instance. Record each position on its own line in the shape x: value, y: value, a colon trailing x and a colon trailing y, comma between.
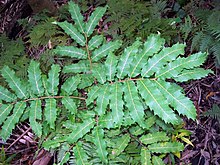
x: 34, y: 115
x: 6, y: 95
x: 103, y: 50
x: 102, y: 100
x: 86, y: 81
x: 76, y: 16
x: 82, y: 66
x: 166, y: 147
x: 99, y: 73
x: 99, y: 141
x: 14, y: 83
x: 153, y: 44
x: 157, y: 160
x: 116, y: 103
x: 94, y: 19
x: 107, y: 121
x: 9, y: 124
x: 34, y: 78
x: 192, y: 74
x: 156, y: 101
x: 122, y: 143
x: 65, y: 158
x: 174, y: 68
x: 53, y: 79
x: 95, y: 42
x: 54, y: 143
x: 176, y: 98
x: 93, y: 94
x: 5, y: 110
x: 80, y: 130
x: 73, y: 32
x: 69, y: 104
x: 154, y: 137
x: 70, y: 85
x: 80, y: 154
x: 145, y: 157
x: 133, y: 103
x: 126, y: 59
x: 50, y: 112
x: 110, y: 66
x: 158, y: 60
x: 71, y: 51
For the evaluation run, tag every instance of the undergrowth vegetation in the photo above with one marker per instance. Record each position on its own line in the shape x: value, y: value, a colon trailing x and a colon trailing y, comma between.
x: 112, y: 107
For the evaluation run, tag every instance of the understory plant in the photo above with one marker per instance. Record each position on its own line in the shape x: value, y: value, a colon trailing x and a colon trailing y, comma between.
x: 110, y: 108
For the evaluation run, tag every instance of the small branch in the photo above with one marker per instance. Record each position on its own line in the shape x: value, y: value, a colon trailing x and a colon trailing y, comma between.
x: 87, y: 50
x: 49, y: 97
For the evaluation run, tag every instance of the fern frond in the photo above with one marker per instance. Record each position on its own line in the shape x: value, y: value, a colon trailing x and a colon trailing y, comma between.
x: 214, y: 112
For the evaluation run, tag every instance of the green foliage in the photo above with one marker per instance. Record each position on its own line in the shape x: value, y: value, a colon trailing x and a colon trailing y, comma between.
x: 12, y: 54
x: 130, y: 109
x: 205, y: 31
x: 132, y: 18
x: 214, y: 112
